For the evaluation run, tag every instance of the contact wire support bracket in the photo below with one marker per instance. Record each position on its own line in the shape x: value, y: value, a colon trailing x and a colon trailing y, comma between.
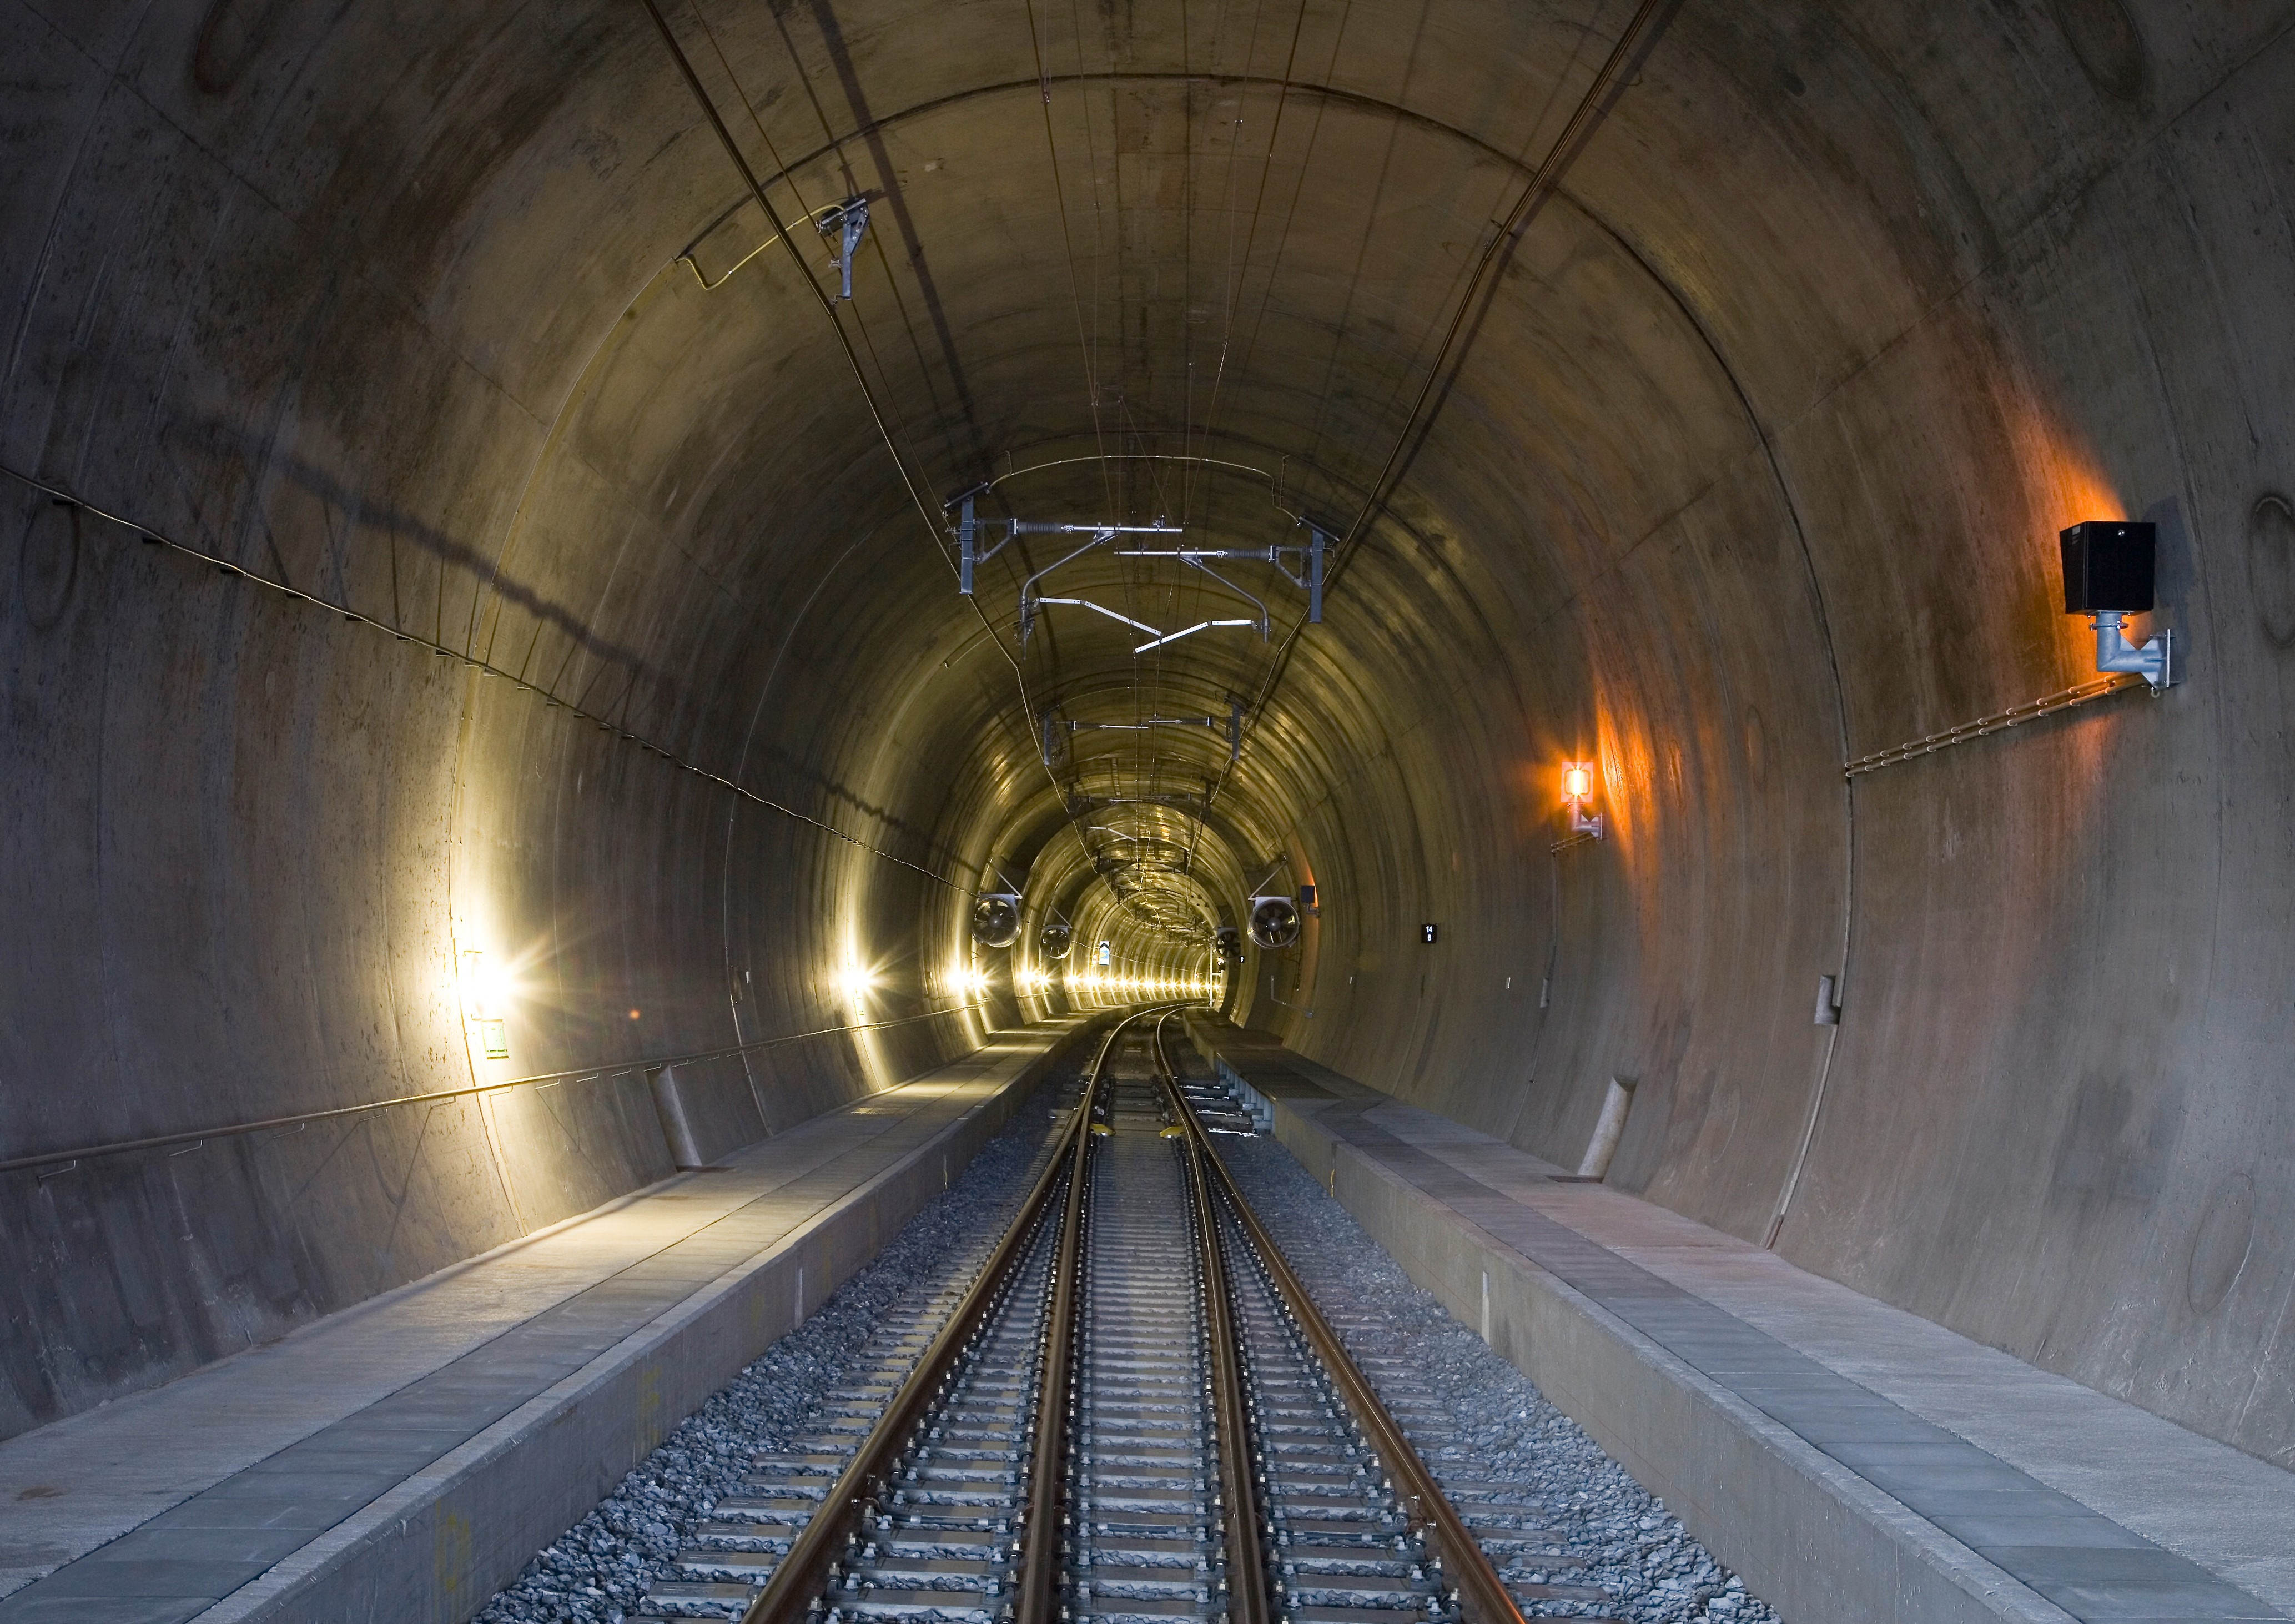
x: 848, y: 221
x: 1306, y: 574
x: 972, y: 550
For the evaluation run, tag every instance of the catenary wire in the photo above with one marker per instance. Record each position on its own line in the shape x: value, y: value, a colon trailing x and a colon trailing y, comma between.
x: 1542, y: 181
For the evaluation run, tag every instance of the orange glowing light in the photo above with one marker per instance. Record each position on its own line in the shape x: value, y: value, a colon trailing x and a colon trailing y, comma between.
x: 1577, y: 781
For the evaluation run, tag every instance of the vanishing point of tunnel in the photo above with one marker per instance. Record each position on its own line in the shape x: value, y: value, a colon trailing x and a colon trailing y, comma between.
x: 1661, y: 632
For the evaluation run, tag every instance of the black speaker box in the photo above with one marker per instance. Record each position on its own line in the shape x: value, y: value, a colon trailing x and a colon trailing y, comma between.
x: 2107, y: 565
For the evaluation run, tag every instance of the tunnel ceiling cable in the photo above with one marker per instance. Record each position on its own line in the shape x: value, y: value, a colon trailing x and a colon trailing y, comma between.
x: 839, y: 216
x: 804, y: 272
x: 1578, y: 127
x: 151, y: 537
x: 1085, y: 343
x: 1085, y: 340
x: 824, y: 216
x: 934, y: 527
x: 299, y: 1120
x: 1258, y: 203
x: 834, y: 143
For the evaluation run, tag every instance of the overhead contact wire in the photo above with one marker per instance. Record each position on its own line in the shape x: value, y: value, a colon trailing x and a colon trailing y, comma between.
x: 1085, y: 345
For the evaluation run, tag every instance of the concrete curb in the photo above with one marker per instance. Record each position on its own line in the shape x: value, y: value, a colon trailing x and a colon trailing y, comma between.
x: 435, y: 1549
x: 1816, y: 1540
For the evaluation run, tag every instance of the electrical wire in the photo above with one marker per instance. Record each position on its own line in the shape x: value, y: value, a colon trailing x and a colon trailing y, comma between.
x: 934, y: 525
x: 1541, y: 183
x: 152, y: 537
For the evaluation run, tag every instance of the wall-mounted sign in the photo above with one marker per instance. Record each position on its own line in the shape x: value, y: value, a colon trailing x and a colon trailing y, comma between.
x: 1426, y: 933
x: 1104, y: 955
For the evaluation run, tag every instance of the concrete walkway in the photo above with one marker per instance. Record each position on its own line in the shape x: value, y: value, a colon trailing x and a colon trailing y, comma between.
x: 404, y: 1459
x: 1852, y: 1461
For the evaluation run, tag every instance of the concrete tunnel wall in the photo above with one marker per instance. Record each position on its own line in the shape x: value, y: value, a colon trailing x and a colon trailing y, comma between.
x: 1752, y: 467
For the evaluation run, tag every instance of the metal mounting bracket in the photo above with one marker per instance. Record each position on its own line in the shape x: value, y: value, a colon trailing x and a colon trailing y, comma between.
x: 1307, y: 576
x: 1232, y: 723
x: 849, y: 221
x: 971, y: 530
x: 2154, y: 662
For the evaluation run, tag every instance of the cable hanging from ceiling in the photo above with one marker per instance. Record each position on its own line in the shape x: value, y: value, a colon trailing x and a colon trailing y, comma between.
x: 1640, y: 37
x: 934, y: 525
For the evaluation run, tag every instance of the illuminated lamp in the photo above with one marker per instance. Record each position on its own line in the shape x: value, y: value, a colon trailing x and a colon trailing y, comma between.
x: 2109, y: 571
x: 485, y: 992
x: 1577, y: 795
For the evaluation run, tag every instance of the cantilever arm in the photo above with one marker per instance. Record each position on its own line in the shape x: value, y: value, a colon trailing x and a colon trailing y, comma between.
x: 1174, y: 637
x: 1086, y: 603
x: 1195, y: 563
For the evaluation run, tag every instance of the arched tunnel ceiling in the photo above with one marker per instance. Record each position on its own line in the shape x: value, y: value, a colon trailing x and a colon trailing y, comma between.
x: 1138, y: 344
x: 1746, y: 464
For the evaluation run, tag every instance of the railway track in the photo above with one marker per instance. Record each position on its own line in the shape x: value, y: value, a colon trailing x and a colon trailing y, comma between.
x: 1125, y: 1409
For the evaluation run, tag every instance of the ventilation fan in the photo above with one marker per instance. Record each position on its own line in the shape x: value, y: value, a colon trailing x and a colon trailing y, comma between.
x: 996, y: 918
x: 1274, y: 921
x: 1055, y: 940
x: 1229, y: 943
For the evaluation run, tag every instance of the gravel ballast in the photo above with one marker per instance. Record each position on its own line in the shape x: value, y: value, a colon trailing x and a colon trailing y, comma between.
x: 1646, y: 1569
x: 597, y: 1572
x: 1634, y: 1550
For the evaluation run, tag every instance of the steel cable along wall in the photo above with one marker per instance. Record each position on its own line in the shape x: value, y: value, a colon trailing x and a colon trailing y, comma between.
x: 1749, y: 469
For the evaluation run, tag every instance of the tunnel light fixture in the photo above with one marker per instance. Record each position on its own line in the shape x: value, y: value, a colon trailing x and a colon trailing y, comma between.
x: 485, y: 990
x: 2109, y: 573
x: 472, y: 982
x: 855, y: 982
x: 1578, y: 783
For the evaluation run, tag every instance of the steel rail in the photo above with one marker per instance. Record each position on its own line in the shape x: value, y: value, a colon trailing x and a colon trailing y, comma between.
x: 800, y: 1577
x: 1038, y: 1601
x: 1250, y: 1598
x: 1482, y: 1594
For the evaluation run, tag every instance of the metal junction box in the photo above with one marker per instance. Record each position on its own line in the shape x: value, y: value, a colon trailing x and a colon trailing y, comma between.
x: 2107, y: 566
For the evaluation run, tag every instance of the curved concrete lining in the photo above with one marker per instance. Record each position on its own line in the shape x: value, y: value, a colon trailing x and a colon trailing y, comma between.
x: 1748, y: 465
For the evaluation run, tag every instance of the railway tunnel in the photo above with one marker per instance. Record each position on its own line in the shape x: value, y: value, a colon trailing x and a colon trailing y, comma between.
x: 631, y: 629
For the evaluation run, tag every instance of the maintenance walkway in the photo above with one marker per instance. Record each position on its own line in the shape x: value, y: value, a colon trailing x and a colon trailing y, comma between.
x: 1852, y: 1461
x: 404, y: 1459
